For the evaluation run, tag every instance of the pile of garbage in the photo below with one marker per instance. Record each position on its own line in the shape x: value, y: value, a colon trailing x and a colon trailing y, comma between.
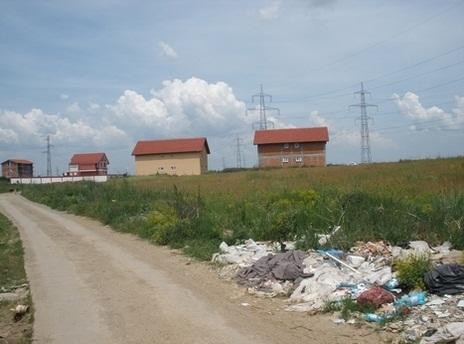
x: 314, y: 279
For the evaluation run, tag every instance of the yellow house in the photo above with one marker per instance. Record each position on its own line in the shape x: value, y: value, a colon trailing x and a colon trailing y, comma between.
x: 175, y: 157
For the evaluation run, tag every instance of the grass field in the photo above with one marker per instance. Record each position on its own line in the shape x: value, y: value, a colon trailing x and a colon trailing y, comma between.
x: 12, y: 274
x: 396, y: 202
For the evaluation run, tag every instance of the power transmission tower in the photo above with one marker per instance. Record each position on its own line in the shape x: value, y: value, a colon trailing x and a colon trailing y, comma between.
x: 49, y: 156
x: 263, y: 123
x: 238, y: 152
x: 366, y: 157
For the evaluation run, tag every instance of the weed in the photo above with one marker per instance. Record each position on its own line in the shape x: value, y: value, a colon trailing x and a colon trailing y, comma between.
x: 411, y: 270
x: 12, y: 274
x: 347, y: 307
x: 390, y: 202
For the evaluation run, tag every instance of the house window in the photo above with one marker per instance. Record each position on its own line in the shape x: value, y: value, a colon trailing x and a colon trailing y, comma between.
x: 297, y: 145
x: 161, y: 168
x: 285, y: 160
x: 285, y: 145
x: 173, y: 167
x: 299, y: 159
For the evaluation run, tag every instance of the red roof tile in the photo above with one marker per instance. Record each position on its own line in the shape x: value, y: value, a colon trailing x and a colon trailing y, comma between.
x: 87, y: 158
x: 318, y: 134
x: 19, y: 161
x: 171, y: 146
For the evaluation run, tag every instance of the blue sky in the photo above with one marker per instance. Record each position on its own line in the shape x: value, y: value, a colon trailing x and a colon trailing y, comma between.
x: 100, y: 75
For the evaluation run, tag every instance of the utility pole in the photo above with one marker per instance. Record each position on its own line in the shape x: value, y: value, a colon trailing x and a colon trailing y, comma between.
x: 238, y: 152
x: 223, y: 163
x: 49, y: 156
x: 263, y: 123
x: 366, y: 157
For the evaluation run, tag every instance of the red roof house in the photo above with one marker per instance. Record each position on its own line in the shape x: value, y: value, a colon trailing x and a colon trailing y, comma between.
x: 292, y: 147
x: 186, y: 156
x: 88, y: 164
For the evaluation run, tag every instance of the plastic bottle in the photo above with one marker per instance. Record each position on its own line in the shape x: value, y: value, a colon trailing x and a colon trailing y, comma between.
x: 392, y: 284
x: 372, y: 317
x: 414, y: 298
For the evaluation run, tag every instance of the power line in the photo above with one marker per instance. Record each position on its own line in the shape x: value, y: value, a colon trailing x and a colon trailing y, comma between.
x: 416, y: 64
x: 377, y: 78
x: 398, y: 34
x: 418, y: 75
x: 365, y: 142
x: 263, y: 123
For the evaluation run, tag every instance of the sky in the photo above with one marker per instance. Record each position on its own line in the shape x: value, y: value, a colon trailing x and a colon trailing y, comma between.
x: 101, y: 75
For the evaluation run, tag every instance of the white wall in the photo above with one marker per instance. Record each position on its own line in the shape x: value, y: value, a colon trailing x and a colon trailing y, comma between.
x: 49, y: 180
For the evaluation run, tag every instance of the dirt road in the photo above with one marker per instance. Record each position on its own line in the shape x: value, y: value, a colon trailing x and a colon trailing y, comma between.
x: 93, y: 285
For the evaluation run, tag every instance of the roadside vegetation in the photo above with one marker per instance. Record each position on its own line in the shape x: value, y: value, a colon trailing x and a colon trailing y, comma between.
x: 395, y: 202
x: 12, y: 276
x: 5, y: 185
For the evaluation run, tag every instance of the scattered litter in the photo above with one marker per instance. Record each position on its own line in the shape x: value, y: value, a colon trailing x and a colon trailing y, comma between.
x: 376, y: 297
x: 324, y: 238
x: 355, y: 261
x: 452, y: 332
x: 392, y: 284
x: 14, y: 294
x: 19, y: 311
x: 245, y: 304
x: 363, y: 274
x: 244, y: 255
x: 436, y: 301
x: 414, y: 298
x: 420, y: 247
x: 371, y: 249
x: 281, y: 266
x: 328, y: 254
x: 446, y: 279
x: 372, y: 317
x: 338, y: 321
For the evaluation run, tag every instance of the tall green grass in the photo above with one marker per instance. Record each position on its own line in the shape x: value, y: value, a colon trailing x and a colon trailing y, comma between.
x: 397, y: 202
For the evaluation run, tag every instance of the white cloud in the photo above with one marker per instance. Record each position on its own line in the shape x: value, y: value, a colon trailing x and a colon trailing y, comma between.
x: 29, y: 129
x: 73, y: 108
x: 192, y: 107
x: 167, y: 50
x: 317, y: 120
x: 348, y: 137
x: 64, y: 96
x: 179, y: 108
x: 271, y: 11
x: 432, y: 117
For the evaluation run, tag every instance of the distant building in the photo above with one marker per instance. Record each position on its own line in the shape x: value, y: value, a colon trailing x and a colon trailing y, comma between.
x: 17, y: 168
x: 88, y: 164
x: 188, y: 156
x: 291, y: 147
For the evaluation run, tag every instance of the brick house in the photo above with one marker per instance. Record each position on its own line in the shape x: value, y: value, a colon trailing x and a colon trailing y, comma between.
x: 17, y: 168
x: 291, y: 147
x: 186, y: 156
x: 88, y: 164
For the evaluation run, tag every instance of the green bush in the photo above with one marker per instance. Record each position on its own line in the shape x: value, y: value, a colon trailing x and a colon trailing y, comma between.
x: 411, y: 270
x: 163, y: 221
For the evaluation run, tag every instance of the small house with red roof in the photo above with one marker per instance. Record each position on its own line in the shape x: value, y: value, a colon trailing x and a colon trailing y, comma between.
x: 17, y: 168
x: 88, y: 164
x: 291, y: 147
x: 186, y: 156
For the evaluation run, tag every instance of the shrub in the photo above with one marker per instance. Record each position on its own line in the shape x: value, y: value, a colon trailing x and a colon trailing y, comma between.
x: 411, y: 270
x: 163, y: 221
